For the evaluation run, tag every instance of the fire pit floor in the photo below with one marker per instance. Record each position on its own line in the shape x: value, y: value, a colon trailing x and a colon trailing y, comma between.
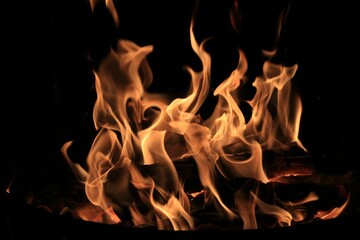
x: 20, y: 220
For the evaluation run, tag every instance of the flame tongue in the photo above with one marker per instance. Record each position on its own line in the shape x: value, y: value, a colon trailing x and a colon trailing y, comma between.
x: 137, y: 128
x: 118, y: 106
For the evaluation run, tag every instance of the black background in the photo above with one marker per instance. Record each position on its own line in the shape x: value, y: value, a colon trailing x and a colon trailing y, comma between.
x: 47, y: 83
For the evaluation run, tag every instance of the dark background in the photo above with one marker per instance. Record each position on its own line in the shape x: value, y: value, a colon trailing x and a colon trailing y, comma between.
x: 47, y: 85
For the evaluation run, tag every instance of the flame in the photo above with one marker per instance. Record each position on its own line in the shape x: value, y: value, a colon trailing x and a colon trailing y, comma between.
x: 333, y: 213
x: 110, y: 6
x: 283, y: 216
x: 138, y: 129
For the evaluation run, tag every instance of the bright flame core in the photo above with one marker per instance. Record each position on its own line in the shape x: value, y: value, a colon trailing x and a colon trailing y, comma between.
x: 137, y: 128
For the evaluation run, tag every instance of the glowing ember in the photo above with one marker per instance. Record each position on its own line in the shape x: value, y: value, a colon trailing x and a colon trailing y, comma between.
x: 138, y: 130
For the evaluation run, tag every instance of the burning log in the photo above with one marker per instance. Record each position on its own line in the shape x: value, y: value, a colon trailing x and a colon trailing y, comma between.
x: 290, y: 172
x: 285, y: 189
x: 294, y: 184
x: 293, y: 161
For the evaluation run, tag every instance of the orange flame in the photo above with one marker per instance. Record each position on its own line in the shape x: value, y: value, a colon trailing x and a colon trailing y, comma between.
x: 135, y: 126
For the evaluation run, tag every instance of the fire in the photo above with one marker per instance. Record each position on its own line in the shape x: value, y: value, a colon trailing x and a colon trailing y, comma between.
x: 138, y: 130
